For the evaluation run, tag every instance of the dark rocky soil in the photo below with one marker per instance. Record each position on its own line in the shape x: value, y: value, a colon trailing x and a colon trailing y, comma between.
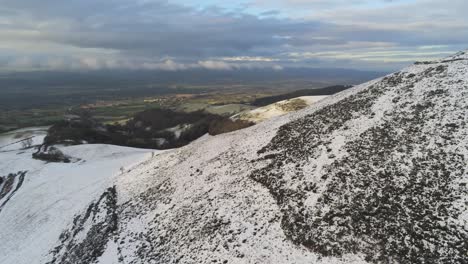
x: 392, y: 195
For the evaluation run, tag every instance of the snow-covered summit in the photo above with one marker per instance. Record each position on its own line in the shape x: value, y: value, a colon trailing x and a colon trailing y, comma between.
x: 375, y: 174
x: 462, y: 55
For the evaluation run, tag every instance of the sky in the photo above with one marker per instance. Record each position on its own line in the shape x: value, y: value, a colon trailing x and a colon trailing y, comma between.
x: 225, y: 35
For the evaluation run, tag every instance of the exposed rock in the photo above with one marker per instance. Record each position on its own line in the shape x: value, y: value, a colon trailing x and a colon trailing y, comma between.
x: 87, y: 238
x: 9, y: 185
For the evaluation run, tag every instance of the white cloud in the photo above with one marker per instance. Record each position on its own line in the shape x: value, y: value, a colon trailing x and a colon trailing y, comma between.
x: 249, y: 58
x: 91, y: 63
x: 215, y: 65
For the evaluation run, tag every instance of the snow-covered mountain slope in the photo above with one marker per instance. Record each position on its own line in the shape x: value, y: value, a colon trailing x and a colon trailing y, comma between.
x: 38, y: 200
x: 375, y: 174
x: 278, y: 109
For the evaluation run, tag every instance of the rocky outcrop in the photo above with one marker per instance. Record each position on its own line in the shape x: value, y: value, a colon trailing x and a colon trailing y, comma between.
x: 9, y: 185
x: 87, y: 238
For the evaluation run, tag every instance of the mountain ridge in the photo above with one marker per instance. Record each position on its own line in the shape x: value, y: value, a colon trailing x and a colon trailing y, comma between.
x: 374, y: 174
x: 367, y: 135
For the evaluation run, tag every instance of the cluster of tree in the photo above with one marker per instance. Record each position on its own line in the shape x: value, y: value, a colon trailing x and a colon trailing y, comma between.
x: 51, y: 154
x: 155, y: 129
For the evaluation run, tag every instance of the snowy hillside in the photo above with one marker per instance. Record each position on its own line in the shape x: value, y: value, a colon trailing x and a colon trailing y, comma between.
x: 375, y: 174
x: 278, y: 109
x: 38, y: 200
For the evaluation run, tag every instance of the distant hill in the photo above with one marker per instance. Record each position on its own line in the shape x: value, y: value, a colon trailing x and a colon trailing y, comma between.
x: 305, y: 92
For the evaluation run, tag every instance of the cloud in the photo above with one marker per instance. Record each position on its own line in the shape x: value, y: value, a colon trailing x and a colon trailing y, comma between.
x: 156, y: 34
x: 215, y: 65
x: 249, y: 58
